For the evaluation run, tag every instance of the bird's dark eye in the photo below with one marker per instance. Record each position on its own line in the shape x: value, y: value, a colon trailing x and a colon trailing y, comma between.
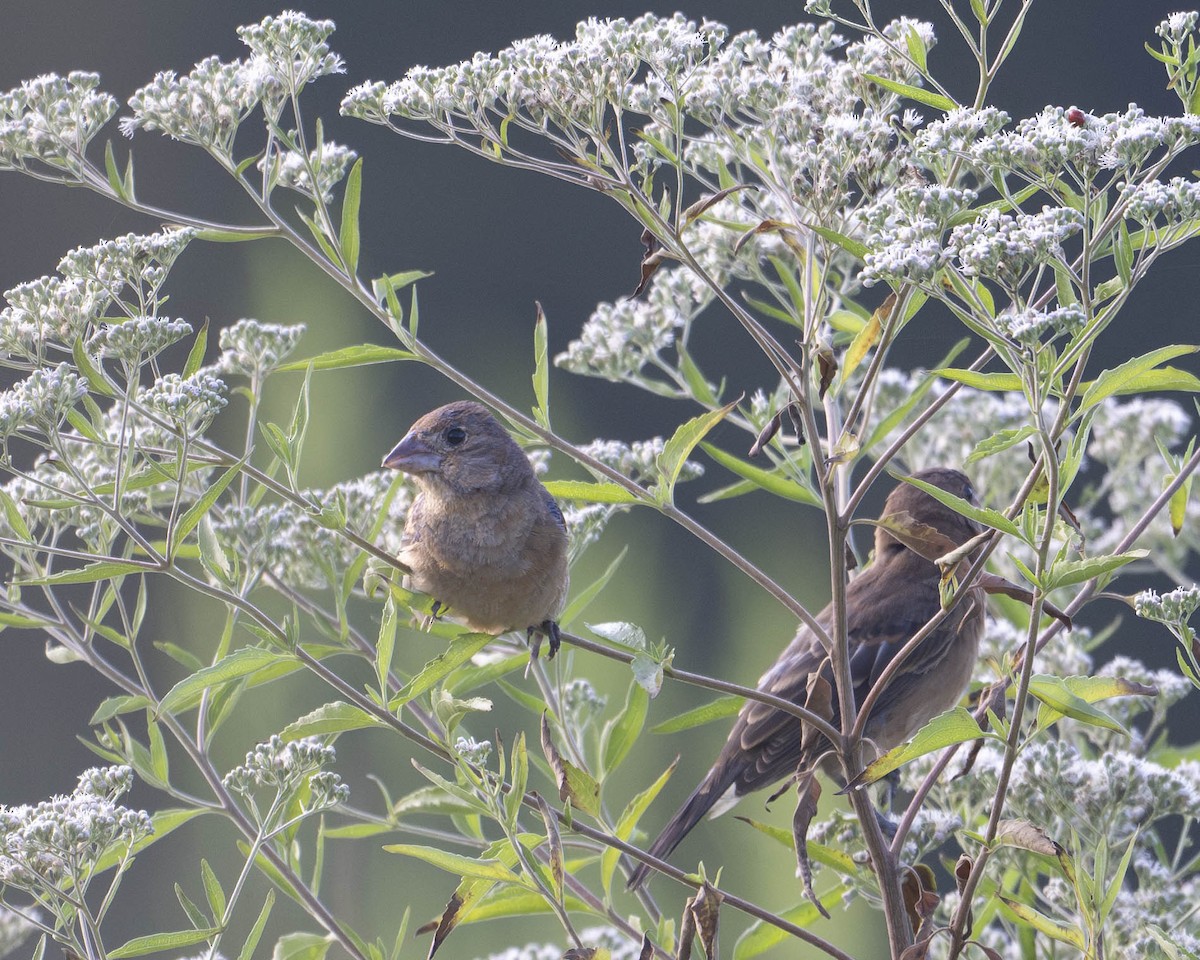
x: 455, y: 435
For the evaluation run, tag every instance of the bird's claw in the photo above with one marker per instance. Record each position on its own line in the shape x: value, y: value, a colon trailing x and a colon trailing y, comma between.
x: 548, y: 629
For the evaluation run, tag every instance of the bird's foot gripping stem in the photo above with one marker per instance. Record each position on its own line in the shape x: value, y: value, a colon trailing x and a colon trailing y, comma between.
x: 548, y: 629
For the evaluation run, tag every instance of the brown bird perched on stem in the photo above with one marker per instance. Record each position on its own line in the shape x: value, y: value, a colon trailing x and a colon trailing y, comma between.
x: 483, y: 536
x: 886, y: 605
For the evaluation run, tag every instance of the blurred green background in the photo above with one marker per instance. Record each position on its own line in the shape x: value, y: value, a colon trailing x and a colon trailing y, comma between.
x: 497, y: 240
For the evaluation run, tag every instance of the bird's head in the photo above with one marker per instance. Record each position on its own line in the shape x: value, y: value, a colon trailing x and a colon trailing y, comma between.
x: 915, y: 520
x: 460, y: 449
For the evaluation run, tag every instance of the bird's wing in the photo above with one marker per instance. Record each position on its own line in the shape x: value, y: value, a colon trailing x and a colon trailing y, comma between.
x: 880, y: 621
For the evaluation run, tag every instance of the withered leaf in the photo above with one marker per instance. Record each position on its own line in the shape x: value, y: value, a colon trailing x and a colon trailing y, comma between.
x: 767, y: 434
x: 764, y: 226
x: 962, y: 871
x: 819, y: 699
x: 582, y: 953
x: 652, y: 259
x: 919, y: 890
x: 687, y: 932
x: 704, y: 908
x: 574, y: 784
x: 449, y: 920
x: 554, y: 841
x: 828, y: 366
x: 1028, y: 836
x: 808, y: 793
x: 647, y: 948
x: 921, y: 538
x: 705, y: 203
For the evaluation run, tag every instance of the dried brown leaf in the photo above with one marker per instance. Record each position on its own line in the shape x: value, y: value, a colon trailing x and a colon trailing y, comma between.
x: 1027, y: 836
x: 808, y: 793
x: 705, y: 907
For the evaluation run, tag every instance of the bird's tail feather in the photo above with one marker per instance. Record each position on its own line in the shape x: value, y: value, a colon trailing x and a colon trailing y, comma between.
x: 709, y: 794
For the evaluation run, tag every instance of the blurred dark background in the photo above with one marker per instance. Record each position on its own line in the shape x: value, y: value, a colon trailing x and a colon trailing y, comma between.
x: 497, y: 240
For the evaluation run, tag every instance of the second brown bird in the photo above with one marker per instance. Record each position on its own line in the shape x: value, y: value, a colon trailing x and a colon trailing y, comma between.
x: 886, y: 605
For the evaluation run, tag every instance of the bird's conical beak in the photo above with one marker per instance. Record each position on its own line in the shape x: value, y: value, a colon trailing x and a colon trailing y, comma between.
x: 412, y: 455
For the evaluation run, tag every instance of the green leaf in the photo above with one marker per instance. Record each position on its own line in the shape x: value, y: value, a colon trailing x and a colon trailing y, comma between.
x: 197, y: 510
x: 95, y: 377
x: 160, y: 942
x: 251, y: 944
x: 348, y: 238
x: 944, y: 730
x: 335, y: 717
x: 982, y: 381
x: 622, y: 732
x: 213, y: 891
x: 988, y: 517
x: 462, y: 648
x: 12, y: 514
x: 111, y: 171
x: 719, y: 709
x: 541, y: 369
x: 319, y: 235
x: 1056, y: 694
x: 1068, y: 572
x: 195, y: 359
x: 115, y: 706
x: 385, y: 645
x: 585, y: 596
x: 760, y: 936
x: 627, y: 821
x: 853, y: 247
x: 769, y: 480
x: 590, y: 492
x: 997, y: 442
x: 302, y: 946
x: 683, y: 442
x: 101, y: 570
x: 19, y: 622
x: 1043, y: 924
x: 357, y: 356
x: 241, y: 663
x: 1114, y: 381
x: 927, y: 97
x: 483, y: 869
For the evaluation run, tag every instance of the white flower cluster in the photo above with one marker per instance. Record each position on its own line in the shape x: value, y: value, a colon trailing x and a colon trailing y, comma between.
x: 326, y: 164
x: 1177, y: 26
x: 1171, y: 608
x: 41, y: 400
x: 51, y: 120
x: 135, y: 260
x: 1176, y: 201
x: 303, y: 552
x: 290, y: 51
x: 207, y: 106
x: 1003, y: 247
x: 48, y: 313
x: 283, y: 767
x: 57, y: 844
x: 190, y: 403
x: 566, y: 85
x: 253, y: 349
x: 473, y: 751
x: 1031, y: 327
x: 137, y: 338
x: 904, y: 228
